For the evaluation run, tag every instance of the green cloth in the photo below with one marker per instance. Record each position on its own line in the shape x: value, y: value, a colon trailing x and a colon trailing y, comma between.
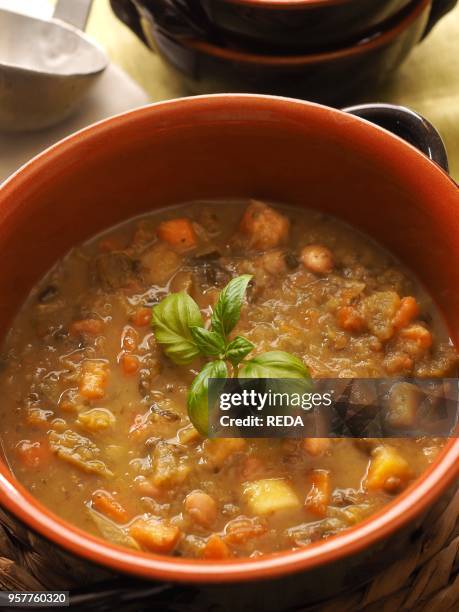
x: 428, y: 82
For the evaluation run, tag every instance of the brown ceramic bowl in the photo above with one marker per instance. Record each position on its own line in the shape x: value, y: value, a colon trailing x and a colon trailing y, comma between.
x: 335, y: 77
x: 286, y: 25
x: 304, y: 24
x: 237, y: 147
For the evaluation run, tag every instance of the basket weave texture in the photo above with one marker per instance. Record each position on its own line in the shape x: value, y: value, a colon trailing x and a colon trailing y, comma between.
x: 426, y: 579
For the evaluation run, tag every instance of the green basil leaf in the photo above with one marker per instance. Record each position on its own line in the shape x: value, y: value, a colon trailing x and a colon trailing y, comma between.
x: 237, y: 349
x: 208, y: 342
x: 171, y: 322
x: 274, y: 364
x: 228, y: 307
x: 198, y: 408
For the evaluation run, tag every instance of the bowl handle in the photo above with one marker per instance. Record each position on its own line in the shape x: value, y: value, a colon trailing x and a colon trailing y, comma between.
x: 127, y: 13
x: 407, y: 124
x: 438, y: 10
x: 171, y: 16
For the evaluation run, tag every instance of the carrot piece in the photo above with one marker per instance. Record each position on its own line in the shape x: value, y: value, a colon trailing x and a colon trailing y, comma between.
x: 155, y: 535
x: 86, y: 326
x: 94, y: 380
x: 216, y: 548
x: 319, y: 496
x: 350, y: 320
x: 130, y: 364
x: 141, y: 317
x: 106, y: 504
x: 33, y: 455
x: 179, y: 233
x: 407, y: 312
x: 418, y: 334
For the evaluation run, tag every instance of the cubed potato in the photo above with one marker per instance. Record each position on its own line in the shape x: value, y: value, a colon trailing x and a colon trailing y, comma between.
x: 388, y: 470
x: 219, y: 450
x: 159, y: 263
x: 96, y: 419
x: 94, y: 379
x: 378, y: 312
x: 270, y: 495
x: 403, y: 405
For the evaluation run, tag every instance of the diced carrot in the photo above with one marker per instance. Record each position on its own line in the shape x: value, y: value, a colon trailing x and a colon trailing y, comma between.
x: 129, y: 338
x: 141, y: 317
x: 407, y: 312
x: 350, y: 320
x: 86, y: 326
x: 179, y: 233
x: 94, y: 380
x: 155, y: 535
x: 106, y: 504
x: 319, y: 496
x: 216, y: 548
x: 130, y: 364
x: 418, y: 334
x: 33, y: 455
x: 316, y: 446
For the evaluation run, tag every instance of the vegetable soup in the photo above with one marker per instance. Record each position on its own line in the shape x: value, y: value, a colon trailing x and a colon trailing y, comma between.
x: 103, y: 386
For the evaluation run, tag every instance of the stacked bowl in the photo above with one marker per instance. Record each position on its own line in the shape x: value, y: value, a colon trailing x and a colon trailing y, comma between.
x: 329, y: 51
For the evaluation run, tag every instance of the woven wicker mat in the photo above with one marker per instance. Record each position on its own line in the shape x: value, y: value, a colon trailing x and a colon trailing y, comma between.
x: 425, y: 580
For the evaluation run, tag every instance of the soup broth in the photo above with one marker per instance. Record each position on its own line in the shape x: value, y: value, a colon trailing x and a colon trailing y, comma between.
x: 94, y: 414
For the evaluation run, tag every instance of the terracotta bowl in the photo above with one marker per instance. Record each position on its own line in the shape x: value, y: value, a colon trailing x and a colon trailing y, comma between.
x: 334, y: 77
x: 238, y: 146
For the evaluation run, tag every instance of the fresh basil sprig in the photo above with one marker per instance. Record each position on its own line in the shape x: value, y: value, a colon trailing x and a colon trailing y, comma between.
x: 198, y: 394
x: 274, y: 364
x: 228, y: 307
x: 172, y: 321
x: 178, y: 326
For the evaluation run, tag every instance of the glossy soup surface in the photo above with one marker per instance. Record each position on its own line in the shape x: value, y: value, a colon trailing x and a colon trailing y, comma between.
x: 94, y: 417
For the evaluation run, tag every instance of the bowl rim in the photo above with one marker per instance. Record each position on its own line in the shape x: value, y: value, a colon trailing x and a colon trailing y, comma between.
x: 365, y: 45
x: 399, y: 512
x: 286, y: 4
